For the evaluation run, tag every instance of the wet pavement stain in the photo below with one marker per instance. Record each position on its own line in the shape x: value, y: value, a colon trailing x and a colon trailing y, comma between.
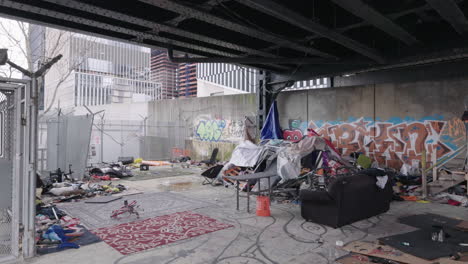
x: 178, y: 186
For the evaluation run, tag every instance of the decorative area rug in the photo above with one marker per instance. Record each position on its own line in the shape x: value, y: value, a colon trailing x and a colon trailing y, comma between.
x: 95, y: 216
x: 146, y: 234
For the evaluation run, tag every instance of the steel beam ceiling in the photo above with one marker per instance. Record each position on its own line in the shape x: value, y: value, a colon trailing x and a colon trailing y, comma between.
x: 204, y: 16
x: 449, y: 10
x: 373, y: 17
x: 257, y: 60
x: 156, y: 27
x: 139, y: 36
x: 294, y: 18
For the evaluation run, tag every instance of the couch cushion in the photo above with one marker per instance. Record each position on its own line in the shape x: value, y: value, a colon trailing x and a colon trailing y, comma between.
x: 319, y: 196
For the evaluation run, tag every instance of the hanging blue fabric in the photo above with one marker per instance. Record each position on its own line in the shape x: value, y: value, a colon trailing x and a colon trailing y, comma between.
x: 271, y: 128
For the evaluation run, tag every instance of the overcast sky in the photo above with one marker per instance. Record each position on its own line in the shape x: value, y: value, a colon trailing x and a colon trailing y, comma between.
x: 14, y: 52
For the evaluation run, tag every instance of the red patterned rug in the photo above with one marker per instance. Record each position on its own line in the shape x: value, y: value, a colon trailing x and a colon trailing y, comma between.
x: 146, y: 234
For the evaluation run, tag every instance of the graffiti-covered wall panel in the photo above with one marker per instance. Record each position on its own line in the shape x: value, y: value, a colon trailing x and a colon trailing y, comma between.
x: 392, y: 123
x: 215, y: 130
x: 391, y: 142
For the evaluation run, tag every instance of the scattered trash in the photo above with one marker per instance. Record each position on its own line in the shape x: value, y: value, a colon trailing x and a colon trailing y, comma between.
x: 409, y: 198
x: 118, y: 170
x: 56, y: 230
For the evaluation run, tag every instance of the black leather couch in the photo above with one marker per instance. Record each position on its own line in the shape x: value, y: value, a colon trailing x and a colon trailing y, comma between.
x: 348, y: 199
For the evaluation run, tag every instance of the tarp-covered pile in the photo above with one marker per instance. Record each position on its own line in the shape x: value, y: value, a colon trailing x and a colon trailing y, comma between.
x: 290, y: 161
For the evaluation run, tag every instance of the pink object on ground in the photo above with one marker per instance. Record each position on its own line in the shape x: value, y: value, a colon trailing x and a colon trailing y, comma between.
x: 453, y: 202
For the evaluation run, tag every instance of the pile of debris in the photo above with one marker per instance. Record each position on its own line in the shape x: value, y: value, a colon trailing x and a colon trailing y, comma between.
x: 313, y: 162
x: 61, y: 187
x: 67, y: 191
x: 310, y: 163
x: 56, y: 231
x: 449, y: 186
x: 438, y: 239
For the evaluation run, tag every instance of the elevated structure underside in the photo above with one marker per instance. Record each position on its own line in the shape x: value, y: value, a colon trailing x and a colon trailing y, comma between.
x: 301, y: 38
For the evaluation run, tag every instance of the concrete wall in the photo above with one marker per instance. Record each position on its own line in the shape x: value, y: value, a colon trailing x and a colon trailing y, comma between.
x: 392, y: 123
x: 201, y: 124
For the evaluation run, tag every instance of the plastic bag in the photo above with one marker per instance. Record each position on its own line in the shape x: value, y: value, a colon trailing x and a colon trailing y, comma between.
x: 289, y: 165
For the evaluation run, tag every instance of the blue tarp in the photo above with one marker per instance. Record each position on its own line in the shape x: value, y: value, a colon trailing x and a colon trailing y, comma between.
x: 271, y: 129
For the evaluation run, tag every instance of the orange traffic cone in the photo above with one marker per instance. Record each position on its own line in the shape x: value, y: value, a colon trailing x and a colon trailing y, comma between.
x: 263, y: 206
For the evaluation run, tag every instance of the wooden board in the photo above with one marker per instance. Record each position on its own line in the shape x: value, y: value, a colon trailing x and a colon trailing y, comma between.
x: 463, y: 226
x: 449, y: 261
x: 386, y: 252
x: 350, y: 259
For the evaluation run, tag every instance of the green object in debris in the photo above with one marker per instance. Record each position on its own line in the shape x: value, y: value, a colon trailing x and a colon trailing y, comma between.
x: 364, y: 161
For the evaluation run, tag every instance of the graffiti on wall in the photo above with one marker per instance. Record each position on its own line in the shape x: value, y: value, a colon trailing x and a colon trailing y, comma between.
x: 210, y: 130
x: 392, y: 142
x: 215, y: 130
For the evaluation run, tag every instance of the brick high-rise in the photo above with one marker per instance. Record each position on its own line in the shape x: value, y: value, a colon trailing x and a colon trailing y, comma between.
x: 165, y: 72
x: 187, y: 80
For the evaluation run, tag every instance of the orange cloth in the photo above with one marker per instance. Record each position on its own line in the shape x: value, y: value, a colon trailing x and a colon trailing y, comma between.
x: 409, y: 198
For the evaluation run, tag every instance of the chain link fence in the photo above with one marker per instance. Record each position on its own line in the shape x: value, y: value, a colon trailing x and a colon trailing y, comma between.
x: 7, y: 140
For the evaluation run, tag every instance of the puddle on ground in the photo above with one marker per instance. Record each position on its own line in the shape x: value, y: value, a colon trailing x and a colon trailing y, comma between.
x: 158, y: 173
x: 178, y: 186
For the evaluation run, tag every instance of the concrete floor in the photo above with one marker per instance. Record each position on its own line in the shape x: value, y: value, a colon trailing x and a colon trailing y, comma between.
x: 282, y: 238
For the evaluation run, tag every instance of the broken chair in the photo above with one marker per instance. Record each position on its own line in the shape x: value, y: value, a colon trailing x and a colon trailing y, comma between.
x: 211, y: 174
x: 212, y: 160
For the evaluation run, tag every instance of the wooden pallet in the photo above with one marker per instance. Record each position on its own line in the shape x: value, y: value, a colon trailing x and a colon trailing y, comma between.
x: 446, y: 181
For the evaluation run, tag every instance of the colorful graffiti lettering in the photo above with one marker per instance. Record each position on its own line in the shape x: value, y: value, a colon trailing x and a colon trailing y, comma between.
x: 210, y: 130
x: 392, y: 142
x: 220, y: 130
